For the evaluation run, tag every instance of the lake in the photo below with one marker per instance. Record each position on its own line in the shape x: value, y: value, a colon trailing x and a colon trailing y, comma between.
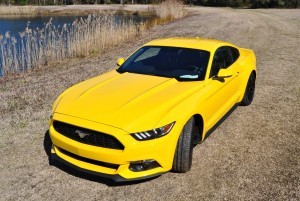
x: 21, y: 48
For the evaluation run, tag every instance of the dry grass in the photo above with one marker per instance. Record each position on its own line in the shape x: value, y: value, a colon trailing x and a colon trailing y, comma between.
x: 84, y: 37
x: 19, y: 10
x: 170, y: 9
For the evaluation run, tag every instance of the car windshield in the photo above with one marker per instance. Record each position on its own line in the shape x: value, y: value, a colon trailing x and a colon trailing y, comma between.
x: 173, y: 62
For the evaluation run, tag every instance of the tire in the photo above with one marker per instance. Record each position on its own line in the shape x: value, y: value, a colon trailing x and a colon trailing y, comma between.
x: 184, y: 151
x: 249, y: 92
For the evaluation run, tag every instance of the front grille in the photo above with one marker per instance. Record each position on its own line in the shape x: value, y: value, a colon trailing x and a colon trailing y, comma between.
x: 87, y: 160
x: 87, y: 136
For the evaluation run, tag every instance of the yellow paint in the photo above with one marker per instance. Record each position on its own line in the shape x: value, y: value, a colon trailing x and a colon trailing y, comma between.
x: 120, y: 104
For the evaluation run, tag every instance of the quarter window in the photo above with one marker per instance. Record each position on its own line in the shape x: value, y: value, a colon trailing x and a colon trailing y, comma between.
x: 234, y: 53
x: 224, y: 57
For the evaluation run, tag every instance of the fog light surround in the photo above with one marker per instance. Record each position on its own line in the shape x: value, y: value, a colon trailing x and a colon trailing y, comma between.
x: 143, y: 165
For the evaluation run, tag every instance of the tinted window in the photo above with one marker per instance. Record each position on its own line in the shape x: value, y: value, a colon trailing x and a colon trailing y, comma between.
x: 222, y: 59
x: 234, y: 53
x: 174, y: 62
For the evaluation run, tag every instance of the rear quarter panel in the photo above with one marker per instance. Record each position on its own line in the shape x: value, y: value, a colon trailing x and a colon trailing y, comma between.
x: 247, y: 61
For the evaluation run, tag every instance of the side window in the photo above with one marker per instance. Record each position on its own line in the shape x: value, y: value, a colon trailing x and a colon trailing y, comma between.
x: 234, y: 53
x: 222, y: 59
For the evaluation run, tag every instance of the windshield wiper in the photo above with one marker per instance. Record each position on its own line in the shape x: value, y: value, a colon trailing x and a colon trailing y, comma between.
x: 121, y: 70
x: 142, y: 73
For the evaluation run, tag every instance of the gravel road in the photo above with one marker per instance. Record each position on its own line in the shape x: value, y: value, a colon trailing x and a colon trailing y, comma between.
x: 253, y: 155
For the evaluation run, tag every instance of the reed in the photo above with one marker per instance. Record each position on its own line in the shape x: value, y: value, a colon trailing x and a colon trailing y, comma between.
x: 170, y: 10
x: 83, y: 37
x: 19, y: 10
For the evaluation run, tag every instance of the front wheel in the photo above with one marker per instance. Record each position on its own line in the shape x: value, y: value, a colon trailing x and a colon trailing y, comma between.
x: 184, y: 151
x: 249, y: 92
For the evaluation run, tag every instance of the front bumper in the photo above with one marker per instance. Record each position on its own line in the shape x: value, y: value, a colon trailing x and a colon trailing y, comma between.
x: 114, y: 177
x: 111, y: 163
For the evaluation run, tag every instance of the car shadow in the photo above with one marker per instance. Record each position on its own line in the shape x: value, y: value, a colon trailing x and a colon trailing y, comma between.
x: 210, y: 131
x: 83, y: 175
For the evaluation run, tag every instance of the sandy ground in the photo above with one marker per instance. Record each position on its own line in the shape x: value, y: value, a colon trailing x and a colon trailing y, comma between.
x: 253, y: 155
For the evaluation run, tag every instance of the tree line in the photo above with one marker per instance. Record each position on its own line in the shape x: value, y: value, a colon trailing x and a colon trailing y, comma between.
x: 219, y: 3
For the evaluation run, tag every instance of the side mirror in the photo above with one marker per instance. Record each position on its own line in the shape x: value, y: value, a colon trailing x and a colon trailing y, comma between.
x: 224, y: 73
x: 120, y: 61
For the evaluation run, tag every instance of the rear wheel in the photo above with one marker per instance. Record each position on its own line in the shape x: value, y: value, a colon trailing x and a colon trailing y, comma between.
x: 249, y: 92
x: 184, y: 151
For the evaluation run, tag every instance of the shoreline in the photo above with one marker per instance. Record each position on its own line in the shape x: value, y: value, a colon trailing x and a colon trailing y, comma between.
x: 66, y: 10
x: 105, y: 34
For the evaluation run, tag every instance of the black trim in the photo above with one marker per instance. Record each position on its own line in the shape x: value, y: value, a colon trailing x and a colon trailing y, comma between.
x: 115, y: 177
x: 87, y: 160
x: 90, y: 137
x: 210, y: 131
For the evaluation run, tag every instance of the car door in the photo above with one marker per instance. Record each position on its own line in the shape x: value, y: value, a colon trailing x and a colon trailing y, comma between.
x: 221, y: 92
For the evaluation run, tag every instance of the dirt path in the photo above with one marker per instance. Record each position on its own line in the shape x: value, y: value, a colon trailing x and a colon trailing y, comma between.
x: 253, y: 155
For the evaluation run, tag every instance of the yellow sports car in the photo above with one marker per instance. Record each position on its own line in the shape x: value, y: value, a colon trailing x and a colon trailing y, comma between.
x: 144, y: 118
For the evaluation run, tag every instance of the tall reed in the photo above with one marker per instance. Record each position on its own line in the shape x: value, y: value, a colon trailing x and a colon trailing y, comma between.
x: 92, y: 35
x: 83, y: 37
x: 170, y: 9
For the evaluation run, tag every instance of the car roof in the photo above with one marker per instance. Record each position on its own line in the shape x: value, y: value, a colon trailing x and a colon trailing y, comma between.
x: 193, y: 43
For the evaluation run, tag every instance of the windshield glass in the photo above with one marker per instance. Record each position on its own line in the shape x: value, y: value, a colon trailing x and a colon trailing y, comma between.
x: 173, y: 62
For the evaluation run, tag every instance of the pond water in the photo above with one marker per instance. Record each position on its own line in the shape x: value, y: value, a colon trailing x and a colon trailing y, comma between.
x: 15, y: 25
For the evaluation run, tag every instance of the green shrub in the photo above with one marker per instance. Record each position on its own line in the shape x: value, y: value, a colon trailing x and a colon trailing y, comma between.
x: 236, y: 3
x: 22, y: 2
x: 260, y: 3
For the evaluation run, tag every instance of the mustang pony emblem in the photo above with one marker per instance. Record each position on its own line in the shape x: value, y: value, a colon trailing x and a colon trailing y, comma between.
x: 81, y: 133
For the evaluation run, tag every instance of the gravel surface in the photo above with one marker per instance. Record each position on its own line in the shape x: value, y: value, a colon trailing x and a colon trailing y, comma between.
x: 253, y: 155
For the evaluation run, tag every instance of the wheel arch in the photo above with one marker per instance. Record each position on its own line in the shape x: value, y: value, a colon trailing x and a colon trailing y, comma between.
x: 199, y: 124
x: 243, y: 87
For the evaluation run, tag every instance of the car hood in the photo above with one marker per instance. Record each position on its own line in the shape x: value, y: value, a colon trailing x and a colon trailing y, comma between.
x: 128, y: 101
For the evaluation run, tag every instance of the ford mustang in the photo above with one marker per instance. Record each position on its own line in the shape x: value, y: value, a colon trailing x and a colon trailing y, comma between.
x: 144, y: 118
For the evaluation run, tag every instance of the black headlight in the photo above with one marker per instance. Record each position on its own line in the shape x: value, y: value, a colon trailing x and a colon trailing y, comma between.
x: 155, y: 133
